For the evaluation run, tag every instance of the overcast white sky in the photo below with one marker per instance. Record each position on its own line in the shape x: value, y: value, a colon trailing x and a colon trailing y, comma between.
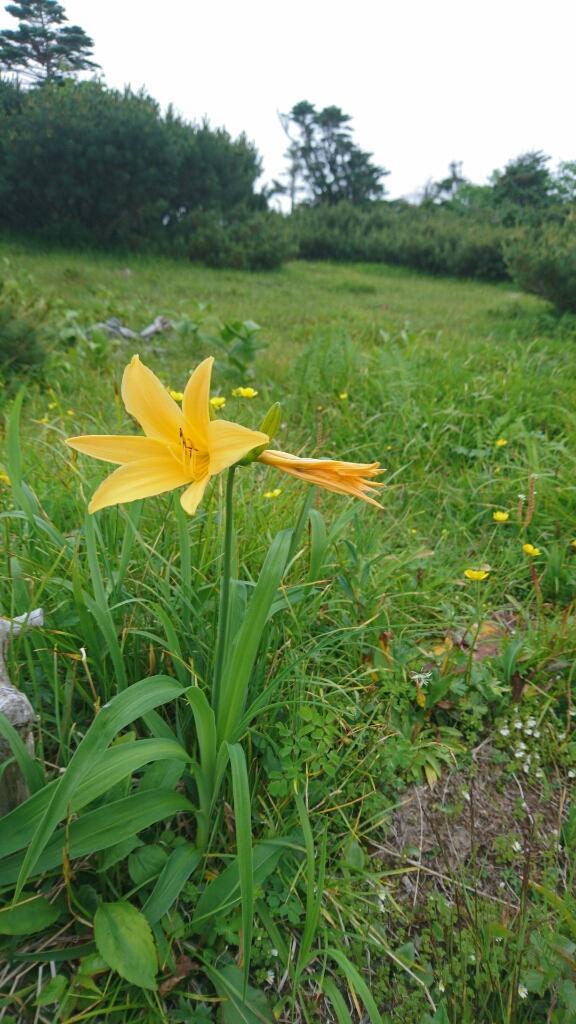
x: 426, y: 81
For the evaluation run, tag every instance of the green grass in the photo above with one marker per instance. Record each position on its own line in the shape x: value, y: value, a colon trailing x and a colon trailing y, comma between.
x: 370, y: 671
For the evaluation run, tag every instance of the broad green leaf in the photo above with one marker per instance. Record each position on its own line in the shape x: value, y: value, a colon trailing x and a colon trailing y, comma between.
x: 53, y: 992
x: 175, y: 873
x: 124, y: 940
x: 123, y: 709
x: 32, y: 914
x: 354, y: 856
x: 146, y: 863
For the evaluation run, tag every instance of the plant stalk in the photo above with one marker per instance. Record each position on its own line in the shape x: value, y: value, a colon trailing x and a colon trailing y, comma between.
x: 224, y: 609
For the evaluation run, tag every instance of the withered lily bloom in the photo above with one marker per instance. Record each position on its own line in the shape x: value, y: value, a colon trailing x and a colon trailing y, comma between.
x: 355, y: 478
x: 180, y: 446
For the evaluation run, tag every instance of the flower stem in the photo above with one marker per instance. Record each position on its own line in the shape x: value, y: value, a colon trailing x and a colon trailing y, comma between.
x: 224, y: 609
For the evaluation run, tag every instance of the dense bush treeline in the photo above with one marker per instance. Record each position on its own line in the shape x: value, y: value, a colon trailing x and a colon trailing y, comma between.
x: 429, y: 239
x: 83, y: 164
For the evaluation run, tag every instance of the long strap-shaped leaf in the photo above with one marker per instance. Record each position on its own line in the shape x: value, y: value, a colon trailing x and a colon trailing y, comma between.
x: 174, y: 875
x: 242, y: 655
x: 18, y: 827
x: 114, y: 716
x: 102, y: 828
x: 243, y: 819
x: 356, y: 982
x: 31, y: 770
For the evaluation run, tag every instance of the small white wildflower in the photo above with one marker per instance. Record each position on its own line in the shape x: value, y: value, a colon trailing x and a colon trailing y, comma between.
x: 516, y: 846
x: 518, y: 753
x: 472, y: 958
x: 441, y: 986
x: 527, y: 732
x: 273, y: 952
x: 270, y: 977
x: 537, y: 734
x: 522, y: 497
x: 526, y: 767
x: 466, y: 795
x: 539, y: 773
x: 505, y: 731
x: 517, y: 725
x: 572, y: 712
x: 572, y: 774
x: 522, y: 991
x: 531, y: 722
x: 561, y: 735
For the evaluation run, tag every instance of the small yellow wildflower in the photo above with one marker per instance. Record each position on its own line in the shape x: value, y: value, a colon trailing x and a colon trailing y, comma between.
x: 343, y: 396
x: 244, y: 393
x: 529, y: 549
x: 52, y: 405
x: 5, y: 479
x: 476, y: 574
x: 218, y: 402
x: 501, y: 442
x: 176, y: 395
x: 500, y: 517
x: 44, y: 420
x: 273, y: 494
x: 573, y: 543
x: 70, y: 412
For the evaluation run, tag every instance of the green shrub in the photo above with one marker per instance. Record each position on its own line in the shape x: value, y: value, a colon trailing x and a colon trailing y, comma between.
x: 544, y: 262
x: 431, y: 239
x: 244, y: 240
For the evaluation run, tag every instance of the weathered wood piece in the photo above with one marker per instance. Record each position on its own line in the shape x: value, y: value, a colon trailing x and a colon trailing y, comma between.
x: 18, y: 710
x: 117, y: 329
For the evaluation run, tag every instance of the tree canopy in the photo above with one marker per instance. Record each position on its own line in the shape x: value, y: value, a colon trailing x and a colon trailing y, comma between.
x: 325, y: 164
x: 43, y: 48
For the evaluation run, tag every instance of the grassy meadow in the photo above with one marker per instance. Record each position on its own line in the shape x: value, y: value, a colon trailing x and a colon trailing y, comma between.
x: 413, y: 752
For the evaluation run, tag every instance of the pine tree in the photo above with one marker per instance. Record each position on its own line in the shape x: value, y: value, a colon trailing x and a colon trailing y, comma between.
x: 43, y: 48
x: 324, y: 162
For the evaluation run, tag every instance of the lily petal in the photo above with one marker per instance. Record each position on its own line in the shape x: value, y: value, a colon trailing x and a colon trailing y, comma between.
x: 195, y: 405
x: 229, y: 442
x: 118, y: 448
x: 193, y: 495
x: 149, y: 402
x: 140, y: 479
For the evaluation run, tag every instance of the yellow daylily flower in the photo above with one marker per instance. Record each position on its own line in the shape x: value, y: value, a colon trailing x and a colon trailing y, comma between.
x: 500, y: 517
x: 529, y: 549
x: 181, y: 446
x: 353, y: 478
x: 476, y: 574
